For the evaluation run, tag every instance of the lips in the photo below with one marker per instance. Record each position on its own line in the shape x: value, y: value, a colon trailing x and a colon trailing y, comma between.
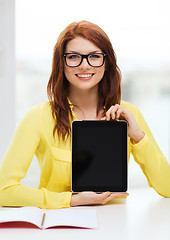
x: 84, y: 75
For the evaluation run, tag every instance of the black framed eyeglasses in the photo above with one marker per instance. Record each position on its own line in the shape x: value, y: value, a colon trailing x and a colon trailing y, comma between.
x: 93, y: 59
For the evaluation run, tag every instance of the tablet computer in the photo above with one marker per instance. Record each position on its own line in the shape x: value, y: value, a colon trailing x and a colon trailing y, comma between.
x: 99, y: 156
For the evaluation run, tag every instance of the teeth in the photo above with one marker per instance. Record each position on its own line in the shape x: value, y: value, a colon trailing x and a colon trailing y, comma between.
x: 84, y: 75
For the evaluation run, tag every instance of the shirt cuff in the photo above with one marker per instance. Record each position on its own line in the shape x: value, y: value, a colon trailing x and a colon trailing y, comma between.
x: 56, y: 200
x: 141, y: 144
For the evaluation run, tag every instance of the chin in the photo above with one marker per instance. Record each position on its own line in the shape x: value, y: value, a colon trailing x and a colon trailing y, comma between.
x: 87, y: 87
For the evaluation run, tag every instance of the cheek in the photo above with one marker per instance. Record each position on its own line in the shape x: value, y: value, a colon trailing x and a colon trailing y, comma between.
x: 101, y: 72
x: 69, y: 72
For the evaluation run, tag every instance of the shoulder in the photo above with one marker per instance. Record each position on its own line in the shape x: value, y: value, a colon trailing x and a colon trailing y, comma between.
x: 34, y: 114
x: 135, y: 111
x: 131, y: 107
x: 39, y: 109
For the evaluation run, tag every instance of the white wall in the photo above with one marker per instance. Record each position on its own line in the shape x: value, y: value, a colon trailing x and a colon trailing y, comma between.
x: 7, y: 73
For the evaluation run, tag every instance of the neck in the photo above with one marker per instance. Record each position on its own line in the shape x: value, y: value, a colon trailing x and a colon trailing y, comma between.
x: 84, y: 99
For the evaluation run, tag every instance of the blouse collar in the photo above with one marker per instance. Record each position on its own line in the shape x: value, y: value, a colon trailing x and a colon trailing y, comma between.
x: 70, y: 103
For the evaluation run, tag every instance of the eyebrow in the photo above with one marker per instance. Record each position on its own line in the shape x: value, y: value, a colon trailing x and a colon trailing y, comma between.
x: 96, y: 51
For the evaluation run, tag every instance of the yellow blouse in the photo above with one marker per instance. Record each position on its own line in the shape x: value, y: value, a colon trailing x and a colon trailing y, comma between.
x: 34, y: 135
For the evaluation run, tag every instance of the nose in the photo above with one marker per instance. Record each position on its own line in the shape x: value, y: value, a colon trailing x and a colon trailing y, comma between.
x: 84, y: 64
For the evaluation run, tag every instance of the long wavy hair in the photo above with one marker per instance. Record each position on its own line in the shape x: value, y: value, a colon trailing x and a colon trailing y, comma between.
x: 109, y: 88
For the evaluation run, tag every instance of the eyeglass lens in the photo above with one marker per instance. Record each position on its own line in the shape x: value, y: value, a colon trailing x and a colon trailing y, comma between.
x: 95, y: 60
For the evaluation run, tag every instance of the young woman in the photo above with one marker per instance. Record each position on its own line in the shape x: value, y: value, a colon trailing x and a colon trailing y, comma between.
x: 85, y: 83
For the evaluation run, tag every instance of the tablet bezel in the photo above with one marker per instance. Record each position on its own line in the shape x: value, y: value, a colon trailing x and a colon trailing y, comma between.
x: 111, y: 188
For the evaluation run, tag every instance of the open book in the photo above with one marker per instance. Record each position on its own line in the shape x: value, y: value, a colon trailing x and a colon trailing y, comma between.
x: 42, y: 218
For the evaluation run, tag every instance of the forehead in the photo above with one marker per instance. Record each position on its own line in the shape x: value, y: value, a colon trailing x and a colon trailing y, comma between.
x: 81, y: 45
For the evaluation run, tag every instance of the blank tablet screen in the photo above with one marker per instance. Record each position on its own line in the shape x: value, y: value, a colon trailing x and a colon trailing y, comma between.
x: 99, y: 156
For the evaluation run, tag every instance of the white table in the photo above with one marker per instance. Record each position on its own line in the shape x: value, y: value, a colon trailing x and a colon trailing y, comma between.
x: 144, y: 215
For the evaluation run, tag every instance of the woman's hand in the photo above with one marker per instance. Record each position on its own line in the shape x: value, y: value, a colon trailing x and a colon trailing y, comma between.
x: 92, y: 198
x: 121, y: 113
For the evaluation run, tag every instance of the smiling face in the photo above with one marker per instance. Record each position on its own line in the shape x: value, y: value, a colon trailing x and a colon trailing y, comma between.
x: 83, y: 77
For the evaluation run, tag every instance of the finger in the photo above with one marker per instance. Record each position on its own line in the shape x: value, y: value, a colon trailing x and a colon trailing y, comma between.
x: 120, y: 112
x: 111, y: 112
x: 119, y: 194
x: 100, y: 197
x: 104, y: 195
x: 116, y: 195
x: 108, y: 114
x: 103, y: 118
x: 124, y: 114
x: 113, y: 115
x: 114, y: 111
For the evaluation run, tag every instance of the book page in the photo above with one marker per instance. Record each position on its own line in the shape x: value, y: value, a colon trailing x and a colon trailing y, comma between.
x: 75, y: 217
x: 23, y: 214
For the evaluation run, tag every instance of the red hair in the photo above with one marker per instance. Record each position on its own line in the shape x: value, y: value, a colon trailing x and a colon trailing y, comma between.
x: 109, y: 89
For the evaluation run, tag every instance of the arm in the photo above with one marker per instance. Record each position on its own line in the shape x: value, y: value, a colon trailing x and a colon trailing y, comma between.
x: 16, y: 163
x: 144, y: 147
x: 151, y: 160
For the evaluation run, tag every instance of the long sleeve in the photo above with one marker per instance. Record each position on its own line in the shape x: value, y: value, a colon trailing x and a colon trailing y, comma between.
x: 16, y: 162
x: 151, y: 160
